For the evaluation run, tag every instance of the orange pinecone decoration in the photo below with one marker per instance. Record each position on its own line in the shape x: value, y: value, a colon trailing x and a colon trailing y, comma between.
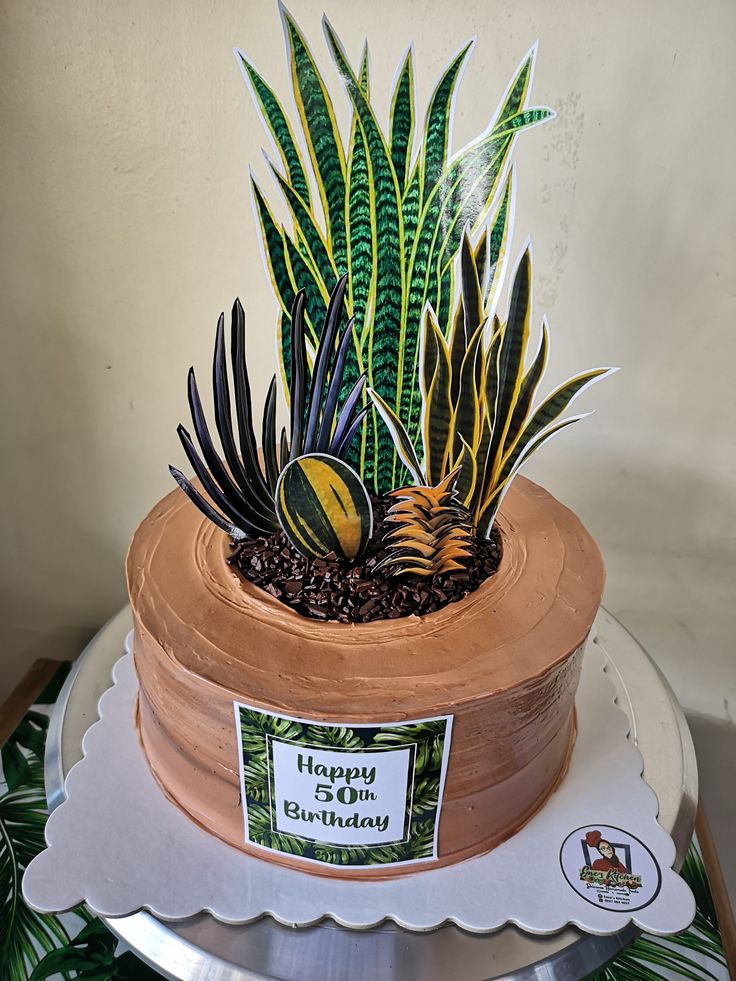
x: 433, y: 534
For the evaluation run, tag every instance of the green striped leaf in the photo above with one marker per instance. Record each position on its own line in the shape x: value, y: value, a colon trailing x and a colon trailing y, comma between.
x: 518, y: 89
x: 323, y: 506
x: 360, y: 215
x: 438, y: 123
x: 361, y: 265
x: 511, y: 117
x: 429, y: 354
x: 400, y: 437
x: 401, y: 126
x: 304, y: 276
x: 364, y: 79
x: 274, y: 247
x: 410, y: 207
x: 276, y: 122
x: 524, y: 119
x: 386, y: 347
x: 491, y: 253
x: 310, y: 232
x: 502, y: 230
x: 323, y: 137
x: 445, y: 294
x: 283, y: 351
x: 440, y: 212
x: 361, y: 244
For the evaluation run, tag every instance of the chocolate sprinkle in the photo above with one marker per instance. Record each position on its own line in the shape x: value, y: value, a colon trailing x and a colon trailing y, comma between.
x: 333, y: 588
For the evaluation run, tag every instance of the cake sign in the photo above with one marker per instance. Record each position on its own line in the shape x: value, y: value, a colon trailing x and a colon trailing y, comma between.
x: 348, y: 795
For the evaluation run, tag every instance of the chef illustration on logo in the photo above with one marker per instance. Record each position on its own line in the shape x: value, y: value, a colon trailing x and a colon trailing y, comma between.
x: 607, y: 871
x: 610, y: 867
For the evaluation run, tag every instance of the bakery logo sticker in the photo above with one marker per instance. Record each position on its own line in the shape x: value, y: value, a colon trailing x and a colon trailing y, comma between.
x: 349, y: 795
x: 610, y: 868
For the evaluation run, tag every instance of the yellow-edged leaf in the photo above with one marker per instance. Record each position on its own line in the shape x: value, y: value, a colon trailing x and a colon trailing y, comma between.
x: 399, y: 435
x: 510, y: 364
x: 493, y: 500
x: 438, y: 417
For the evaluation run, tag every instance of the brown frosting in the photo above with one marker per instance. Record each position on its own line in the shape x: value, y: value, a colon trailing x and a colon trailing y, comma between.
x: 505, y: 662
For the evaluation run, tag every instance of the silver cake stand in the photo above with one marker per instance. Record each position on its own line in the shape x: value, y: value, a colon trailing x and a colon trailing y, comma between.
x: 201, y: 948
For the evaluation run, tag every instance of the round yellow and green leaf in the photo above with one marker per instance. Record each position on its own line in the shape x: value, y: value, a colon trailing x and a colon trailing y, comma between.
x: 323, y: 506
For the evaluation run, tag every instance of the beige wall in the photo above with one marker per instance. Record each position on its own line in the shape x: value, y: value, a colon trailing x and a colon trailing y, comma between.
x: 126, y: 228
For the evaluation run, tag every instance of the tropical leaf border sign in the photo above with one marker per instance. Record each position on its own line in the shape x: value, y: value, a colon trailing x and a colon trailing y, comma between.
x: 428, y: 742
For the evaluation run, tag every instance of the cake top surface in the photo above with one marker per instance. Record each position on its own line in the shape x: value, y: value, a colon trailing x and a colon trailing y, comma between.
x: 532, y: 614
x: 409, y: 390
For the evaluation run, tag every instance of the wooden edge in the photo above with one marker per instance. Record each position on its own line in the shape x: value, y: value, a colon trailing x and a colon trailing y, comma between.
x: 721, y: 900
x: 25, y: 694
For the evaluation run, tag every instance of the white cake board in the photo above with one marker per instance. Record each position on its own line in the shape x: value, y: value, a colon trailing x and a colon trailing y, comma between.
x: 119, y: 845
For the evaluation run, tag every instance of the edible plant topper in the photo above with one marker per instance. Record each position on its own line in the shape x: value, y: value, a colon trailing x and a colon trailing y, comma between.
x: 412, y: 391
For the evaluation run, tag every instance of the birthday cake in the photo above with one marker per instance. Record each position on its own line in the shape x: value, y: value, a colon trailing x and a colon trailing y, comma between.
x: 359, y: 636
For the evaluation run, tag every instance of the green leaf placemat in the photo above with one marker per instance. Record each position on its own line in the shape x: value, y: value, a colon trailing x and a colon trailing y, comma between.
x: 33, y: 946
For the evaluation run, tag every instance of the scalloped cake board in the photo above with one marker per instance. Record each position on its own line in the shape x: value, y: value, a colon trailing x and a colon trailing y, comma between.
x: 119, y: 845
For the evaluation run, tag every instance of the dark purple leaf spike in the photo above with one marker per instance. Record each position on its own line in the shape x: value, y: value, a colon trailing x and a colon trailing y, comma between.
x: 344, y: 420
x: 223, y: 411
x: 245, y: 503
x: 347, y: 439
x: 333, y: 392
x: 299, y: 375
x: 207, y: 510
x: 211, y: 456
x: 284, y: 450
x: 325, y: 354
x: 268, y: 438
x: 248, y: 524
x: 239, y: 485
x: 243, y: 406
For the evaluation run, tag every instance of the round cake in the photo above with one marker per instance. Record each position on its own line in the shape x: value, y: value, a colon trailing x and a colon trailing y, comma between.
x: 503, y: 662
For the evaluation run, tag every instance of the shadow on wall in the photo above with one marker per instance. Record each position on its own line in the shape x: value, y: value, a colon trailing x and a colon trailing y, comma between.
x: 62, y: 576
x: 630, y: 497
x: 669, y: 556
